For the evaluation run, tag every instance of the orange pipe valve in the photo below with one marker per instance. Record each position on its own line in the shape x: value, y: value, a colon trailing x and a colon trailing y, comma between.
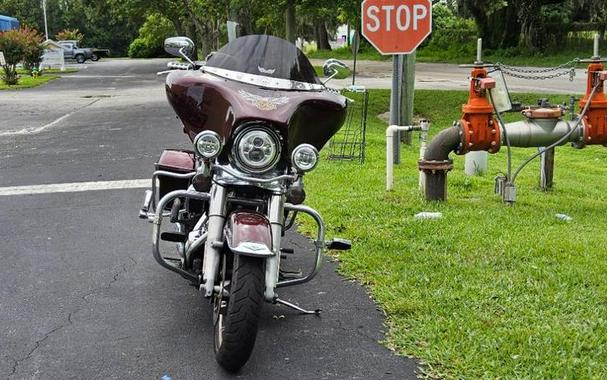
x: 595, y: 120
x: 479, y: 128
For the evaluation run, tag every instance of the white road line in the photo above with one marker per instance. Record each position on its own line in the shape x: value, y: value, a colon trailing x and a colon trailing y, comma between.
x: 32, y: 130
x: 97, y: 76
x: 75, y: 187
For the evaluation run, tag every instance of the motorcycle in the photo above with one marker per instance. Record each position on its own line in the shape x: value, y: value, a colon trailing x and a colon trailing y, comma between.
x: 257, y: 115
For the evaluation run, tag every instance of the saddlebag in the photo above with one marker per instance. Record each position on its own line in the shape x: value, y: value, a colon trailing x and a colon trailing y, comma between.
x: 174, y: 161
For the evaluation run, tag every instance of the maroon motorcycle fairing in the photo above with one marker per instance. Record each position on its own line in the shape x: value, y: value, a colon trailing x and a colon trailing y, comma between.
x: 249, y: 227
x: 204, y: 101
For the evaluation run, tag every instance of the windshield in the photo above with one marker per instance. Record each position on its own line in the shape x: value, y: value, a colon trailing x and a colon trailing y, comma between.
x: 269, y: 59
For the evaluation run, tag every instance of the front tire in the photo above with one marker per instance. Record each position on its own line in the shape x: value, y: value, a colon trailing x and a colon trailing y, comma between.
x: 237, y: 318
x: 80, y: 58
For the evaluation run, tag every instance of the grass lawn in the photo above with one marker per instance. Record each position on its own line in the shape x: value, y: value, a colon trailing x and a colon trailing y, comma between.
x: 488, y: 291
x: 68, y: 70
x: 27, y: 81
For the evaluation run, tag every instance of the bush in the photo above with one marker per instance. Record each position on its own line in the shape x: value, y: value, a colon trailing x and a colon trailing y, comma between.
x: 33, y: 51
x: 14, y: 46
x: 151, y: 38
x: 69, y: 34
x: 452, y: 36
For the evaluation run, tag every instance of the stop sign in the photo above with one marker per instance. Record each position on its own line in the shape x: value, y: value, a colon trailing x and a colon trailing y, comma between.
x: 396, y: 26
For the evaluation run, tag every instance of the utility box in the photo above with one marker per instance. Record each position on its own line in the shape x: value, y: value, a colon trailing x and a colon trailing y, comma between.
x: 53, y: 55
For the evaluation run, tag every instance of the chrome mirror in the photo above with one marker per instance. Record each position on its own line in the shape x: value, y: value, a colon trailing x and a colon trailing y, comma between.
x: 180, y: 47
x: 331, y: 68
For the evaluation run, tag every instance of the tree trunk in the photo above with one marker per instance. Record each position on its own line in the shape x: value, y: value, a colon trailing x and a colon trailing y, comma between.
x: 322, y: 37
x: 290, y: 24
x: 510, y: 27
x: 482, y: 23
x: 202, y: 31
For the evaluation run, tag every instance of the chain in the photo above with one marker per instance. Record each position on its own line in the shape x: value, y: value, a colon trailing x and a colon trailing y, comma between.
x: 565, y: 69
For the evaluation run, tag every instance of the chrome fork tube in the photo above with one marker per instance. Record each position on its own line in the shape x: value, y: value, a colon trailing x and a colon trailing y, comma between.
x: 276, y: 217
x: 212, y: 250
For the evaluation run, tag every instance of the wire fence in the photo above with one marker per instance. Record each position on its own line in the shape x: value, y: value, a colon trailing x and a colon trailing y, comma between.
x: 350, y: 142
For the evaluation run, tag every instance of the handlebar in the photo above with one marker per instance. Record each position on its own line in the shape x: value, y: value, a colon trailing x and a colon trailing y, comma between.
x: 174, y: 65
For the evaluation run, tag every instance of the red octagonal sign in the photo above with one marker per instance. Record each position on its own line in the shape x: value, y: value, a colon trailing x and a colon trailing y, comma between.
x: 396, y: 26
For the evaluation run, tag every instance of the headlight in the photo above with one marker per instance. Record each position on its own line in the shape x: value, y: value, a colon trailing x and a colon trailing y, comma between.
x: 208, y: 144
x: 256, y: 150
x: 305, y: 158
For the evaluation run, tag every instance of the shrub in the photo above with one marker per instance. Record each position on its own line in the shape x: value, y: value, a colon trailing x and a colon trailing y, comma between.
x: 14, y: 46
x: 452, y: 36
x: 69, y: 34
x: 33, y: 51
x: 151, y: 37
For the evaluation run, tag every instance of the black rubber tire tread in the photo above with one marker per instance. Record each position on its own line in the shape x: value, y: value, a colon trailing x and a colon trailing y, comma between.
x: 242, y: 315
x: 80, y: 58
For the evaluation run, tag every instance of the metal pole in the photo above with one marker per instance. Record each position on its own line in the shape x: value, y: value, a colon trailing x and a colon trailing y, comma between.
x: 395, y: 102
x: 45, y: 22
x: 423, y: 138
x: 596, y: 46
x: 479, y: 51
x: 355, y: 48
x: 547, y: 169
x: 407, y: 82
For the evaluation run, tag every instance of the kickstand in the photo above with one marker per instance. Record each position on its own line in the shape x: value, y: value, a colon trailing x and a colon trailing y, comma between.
x: 292, y: 306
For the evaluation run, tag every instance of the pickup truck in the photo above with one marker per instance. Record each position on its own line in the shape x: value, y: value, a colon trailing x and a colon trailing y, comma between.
x: 98, y: 53
x: 72, y: 50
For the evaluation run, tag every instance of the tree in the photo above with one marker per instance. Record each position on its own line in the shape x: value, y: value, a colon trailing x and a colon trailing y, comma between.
x: 69, y: 34
x: 509, y: 23
x: 290, y: 24
x: 32, y: 54
x: 14, y: 45
x: 151, y: 37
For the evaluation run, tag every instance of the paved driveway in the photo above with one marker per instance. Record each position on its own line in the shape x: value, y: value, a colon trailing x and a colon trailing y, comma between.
x: 81, y: 296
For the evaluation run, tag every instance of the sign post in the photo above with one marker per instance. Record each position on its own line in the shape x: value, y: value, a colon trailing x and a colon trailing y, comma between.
x: 398, y: 27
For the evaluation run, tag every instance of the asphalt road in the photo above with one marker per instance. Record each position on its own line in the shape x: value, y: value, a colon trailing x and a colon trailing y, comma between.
x: 81, y: 296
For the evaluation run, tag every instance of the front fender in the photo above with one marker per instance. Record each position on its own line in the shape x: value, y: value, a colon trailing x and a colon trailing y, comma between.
x: 249, y: 234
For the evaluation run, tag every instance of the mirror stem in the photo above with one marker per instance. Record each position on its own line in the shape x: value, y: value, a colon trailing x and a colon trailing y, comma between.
x: 187, y: 58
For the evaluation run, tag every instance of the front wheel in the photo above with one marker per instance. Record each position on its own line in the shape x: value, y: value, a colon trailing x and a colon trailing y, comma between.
x: 80, y: 58
x: 236, y: 318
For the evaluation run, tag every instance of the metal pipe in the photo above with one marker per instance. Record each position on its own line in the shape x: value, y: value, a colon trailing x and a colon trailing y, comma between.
x: 447, y: 141
x: 436, y: 163
x: 479, y: 50
x: 212, y: 254
x: 423, y: 137
x: 164, y: 173
x: 596, y: 47
x: 542, y: 132
x: 395, y: 102
x: 319, y: 243
x: 158, y: 223
x: 254, y: 180
x: 565, y: 137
